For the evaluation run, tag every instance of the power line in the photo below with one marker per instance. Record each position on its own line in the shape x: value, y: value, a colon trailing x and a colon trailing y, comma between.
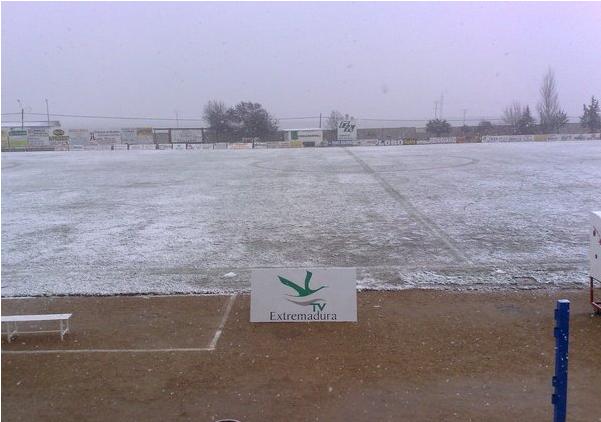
x: 140, y: 118
x: 82, y: 116
x: 113, y: 117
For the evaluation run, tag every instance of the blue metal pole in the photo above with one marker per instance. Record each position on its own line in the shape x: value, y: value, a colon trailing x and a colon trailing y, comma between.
x: 560, y: 380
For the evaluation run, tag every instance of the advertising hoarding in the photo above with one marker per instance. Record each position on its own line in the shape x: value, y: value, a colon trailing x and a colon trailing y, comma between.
x: 347, y: 131
x: 183, y: 136
x: 38, y: 136
x: 303, y: 295
x: 106, y: 137
x: 17, y: 138
x: 79, y: 136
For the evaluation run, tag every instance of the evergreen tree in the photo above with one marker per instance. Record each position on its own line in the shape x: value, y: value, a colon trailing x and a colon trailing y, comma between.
x: 438, y: 127
x: 590, y: 118
x: 526, y: 124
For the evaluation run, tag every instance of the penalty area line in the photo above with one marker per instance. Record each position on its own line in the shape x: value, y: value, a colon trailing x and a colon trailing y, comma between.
x: 212, y: 346
x: 226, y: 315
x: 61, y: 351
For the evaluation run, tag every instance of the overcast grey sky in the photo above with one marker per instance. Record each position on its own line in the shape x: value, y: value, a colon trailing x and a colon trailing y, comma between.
x: 371, y: 60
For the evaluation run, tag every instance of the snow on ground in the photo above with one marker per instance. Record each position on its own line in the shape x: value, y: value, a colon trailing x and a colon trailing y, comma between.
x: 480, y: 216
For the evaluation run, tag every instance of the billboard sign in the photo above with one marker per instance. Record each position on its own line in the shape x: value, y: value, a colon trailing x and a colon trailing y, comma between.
x: 38, y: 136
x: 128, y: 135
x: 303, y: 295
x: 4, y: 138
x: 137, y: 135
x: 182, y: 136
x: 59, y: 136
x: 17, y: 138
x: 144, y: 135
x: 306, y: 136
x: 106, y: 137
x: 79, y: 136
x: 347, y: 130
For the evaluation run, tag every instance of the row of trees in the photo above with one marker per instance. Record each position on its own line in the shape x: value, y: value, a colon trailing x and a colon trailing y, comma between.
x: 244, y: 120
x: 440, y: 127
x: 251, y: 120
x: 551, y: 116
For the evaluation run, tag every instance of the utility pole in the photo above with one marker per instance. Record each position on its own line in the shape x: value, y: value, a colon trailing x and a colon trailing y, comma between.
x: 464, y: 111
x: 176, y: 118
x: 320, y: 120
x: 47, y: 113
x: 435, y: 109
x: 22, y: 112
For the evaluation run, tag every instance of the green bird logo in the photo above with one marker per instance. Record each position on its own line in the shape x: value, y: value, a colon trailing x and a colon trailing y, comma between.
x: 302, y: 292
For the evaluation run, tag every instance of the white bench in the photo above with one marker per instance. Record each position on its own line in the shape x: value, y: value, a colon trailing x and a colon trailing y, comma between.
x: 12, y: 328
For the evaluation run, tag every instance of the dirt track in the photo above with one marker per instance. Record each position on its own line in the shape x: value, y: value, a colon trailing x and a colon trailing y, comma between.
x: 414, y: 355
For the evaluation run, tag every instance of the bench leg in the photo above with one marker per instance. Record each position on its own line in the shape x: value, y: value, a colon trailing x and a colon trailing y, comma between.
x: 11, y: 332
x: 62, y: 330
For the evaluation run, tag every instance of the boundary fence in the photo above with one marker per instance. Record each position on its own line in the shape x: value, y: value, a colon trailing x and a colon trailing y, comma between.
x: 165, y: 145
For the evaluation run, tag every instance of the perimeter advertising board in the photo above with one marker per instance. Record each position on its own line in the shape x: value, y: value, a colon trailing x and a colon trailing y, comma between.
x: 128, y: 135
x: 305, y: 135
x: 303, y: 295
x: 137, y: 135
x: 106, y: 137
x: 4, y: 138
x: 144, y: 135
x: 38, y: 136
x: 59, y: 136
x: 79, y: 136
x: 183, y: 136
x: 347, y: 131
x: 17, y: 138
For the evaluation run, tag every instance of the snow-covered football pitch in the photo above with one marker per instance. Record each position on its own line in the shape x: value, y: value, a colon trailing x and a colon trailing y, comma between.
x: 470, y: 216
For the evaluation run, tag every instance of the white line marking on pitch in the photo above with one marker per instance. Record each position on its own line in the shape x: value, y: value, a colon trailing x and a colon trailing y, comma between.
x: 212, y: 346
x: 412, y: 210
x: 226, y: 315
x: 61, y: 351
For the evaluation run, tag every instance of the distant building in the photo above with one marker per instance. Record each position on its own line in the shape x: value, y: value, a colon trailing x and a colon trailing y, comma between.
x: 28, y: 125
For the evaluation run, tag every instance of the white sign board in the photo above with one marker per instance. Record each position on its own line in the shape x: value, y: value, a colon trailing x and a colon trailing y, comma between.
x: 303, y: 295
x: 59, y: 136
x: 305, y: 135
x: 595, y: 246
x: 128, y: 135
x: 38, y: 136
x: 347, y: 130
x: 106, y: 137
x: 182, y: 136
x: 137, y: 135
x: 17, y: 138
x: 79, y: 136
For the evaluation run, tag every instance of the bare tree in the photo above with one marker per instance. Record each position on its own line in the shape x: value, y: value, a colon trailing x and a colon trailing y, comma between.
x: 552, y: 117
x: 512, y: 115
x: 333, y: 120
